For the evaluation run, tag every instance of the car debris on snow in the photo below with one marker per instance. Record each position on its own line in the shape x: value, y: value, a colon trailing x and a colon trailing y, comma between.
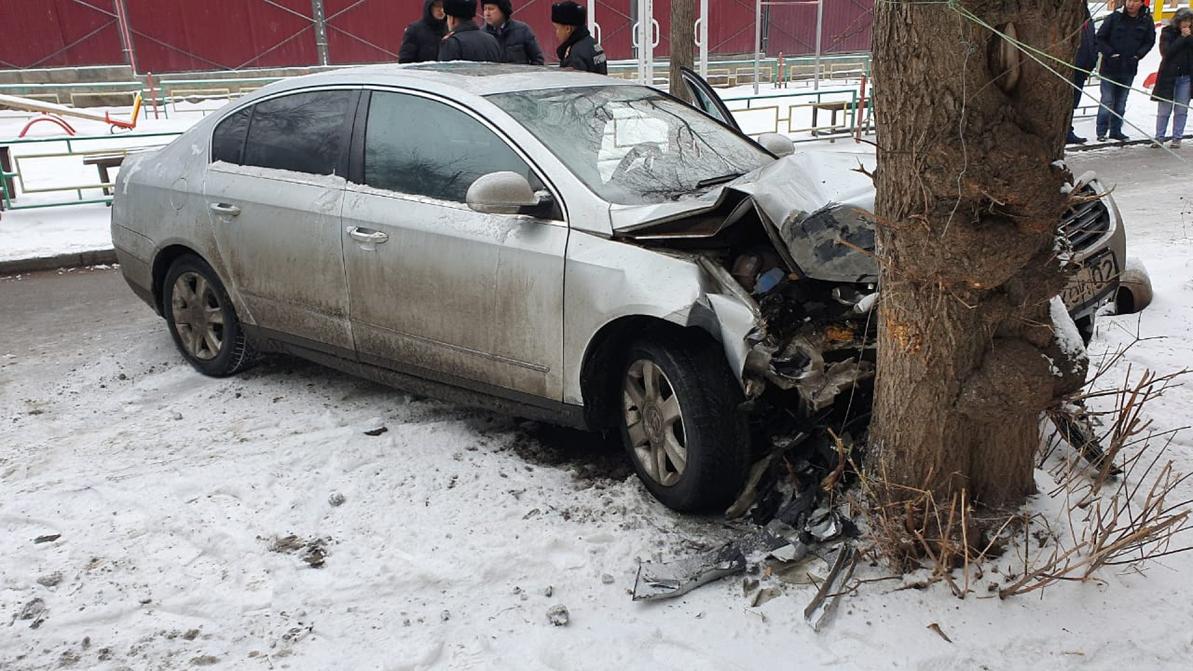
x: 783, y: 500
x: 35, y: 610
x: 377, y: 431
x: 558, y: 615
x: 313, y: 551
x: 825, y: 602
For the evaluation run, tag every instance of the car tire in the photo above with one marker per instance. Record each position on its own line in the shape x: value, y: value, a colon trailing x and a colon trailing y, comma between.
x: 202, y: 320
x: 681, y: 424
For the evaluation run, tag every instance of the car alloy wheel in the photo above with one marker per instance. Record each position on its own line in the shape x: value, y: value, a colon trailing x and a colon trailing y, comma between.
x: 198, y: 316
x: 654, y: 422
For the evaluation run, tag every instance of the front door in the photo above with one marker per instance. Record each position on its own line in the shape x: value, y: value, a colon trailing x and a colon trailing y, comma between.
x: 274, y: 201
x: 706, y: 99
x: 437, y: 289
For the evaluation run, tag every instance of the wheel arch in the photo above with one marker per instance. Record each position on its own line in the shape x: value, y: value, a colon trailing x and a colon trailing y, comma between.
x: 162, y: 261
x: 603, y: 361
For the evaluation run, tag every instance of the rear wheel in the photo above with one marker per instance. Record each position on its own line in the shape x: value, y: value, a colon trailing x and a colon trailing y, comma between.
x: 202, y: 320
x: 680, y: 422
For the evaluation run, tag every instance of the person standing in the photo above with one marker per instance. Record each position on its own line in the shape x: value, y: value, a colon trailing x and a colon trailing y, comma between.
x: 466, y: 41
x: 1174, y: 80
x: 421, y: 40
x: 1126, y: 36
x: 577, y: 49
x: 1087, y: 58
x: 516, y: 38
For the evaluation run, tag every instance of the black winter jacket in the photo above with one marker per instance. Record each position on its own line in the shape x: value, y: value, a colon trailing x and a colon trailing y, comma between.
x: 469, y: 43
x: 517, y: 43
x: 421, y: 40
x: 1177, y: 53
x: 579, y: 51
x: 1123, y: 41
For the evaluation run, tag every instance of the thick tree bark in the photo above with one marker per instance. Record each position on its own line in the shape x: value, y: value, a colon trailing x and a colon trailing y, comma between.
x: 969, y: 199
x: 683, y: 41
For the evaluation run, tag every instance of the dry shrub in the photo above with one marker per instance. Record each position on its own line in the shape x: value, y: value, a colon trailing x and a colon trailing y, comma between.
x: 1118, y: 492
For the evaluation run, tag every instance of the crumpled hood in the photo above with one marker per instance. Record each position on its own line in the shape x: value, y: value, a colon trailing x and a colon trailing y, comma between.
x: 816, y: 205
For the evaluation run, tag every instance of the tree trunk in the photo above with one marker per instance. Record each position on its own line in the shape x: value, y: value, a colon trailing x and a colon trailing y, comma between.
x: 968, y: 200
x: 683, y: 42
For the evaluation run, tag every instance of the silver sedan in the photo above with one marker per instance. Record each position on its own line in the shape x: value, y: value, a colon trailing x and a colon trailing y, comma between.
x: 557, y: 245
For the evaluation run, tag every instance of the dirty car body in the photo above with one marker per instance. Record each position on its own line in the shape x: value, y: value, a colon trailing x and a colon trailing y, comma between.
x: 558, y: 245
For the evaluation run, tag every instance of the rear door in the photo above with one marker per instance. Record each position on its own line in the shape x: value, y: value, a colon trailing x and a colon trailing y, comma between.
x: 706, y: 99
x: 274, y: 191
x: 437, y: 289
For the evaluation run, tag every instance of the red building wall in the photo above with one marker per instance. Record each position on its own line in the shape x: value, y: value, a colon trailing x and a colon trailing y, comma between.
x: 182, y: 35
x: 58, y: 33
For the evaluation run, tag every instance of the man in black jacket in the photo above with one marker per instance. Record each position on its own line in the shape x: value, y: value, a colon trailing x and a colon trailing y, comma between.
x: 1124, y: 38
x: 577, y: 49
x: 516, y: 38
x: 421, y: 39
x: 466, y: 41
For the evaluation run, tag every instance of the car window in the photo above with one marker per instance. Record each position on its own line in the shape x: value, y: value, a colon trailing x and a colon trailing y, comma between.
x: 227, y: 143
x: 304, y: 132
x: 633, y: 145
x: 426, y: 148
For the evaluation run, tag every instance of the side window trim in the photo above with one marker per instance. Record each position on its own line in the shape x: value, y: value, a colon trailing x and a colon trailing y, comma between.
x: 356, y: 169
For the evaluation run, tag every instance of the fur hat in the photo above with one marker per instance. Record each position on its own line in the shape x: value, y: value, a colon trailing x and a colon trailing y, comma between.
x: 569, y: 13
x: 1182, y: 14
x: 461, y: 9
x: 505, y: 6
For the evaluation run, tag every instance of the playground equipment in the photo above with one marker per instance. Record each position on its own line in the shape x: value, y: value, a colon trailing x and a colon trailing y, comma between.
x: 54, y: 113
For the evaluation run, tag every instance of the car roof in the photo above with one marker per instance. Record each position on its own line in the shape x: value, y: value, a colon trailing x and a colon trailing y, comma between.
x: 468, y: 78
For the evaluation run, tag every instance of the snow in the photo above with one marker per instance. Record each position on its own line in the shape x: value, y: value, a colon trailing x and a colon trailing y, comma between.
x: 1067, y: 335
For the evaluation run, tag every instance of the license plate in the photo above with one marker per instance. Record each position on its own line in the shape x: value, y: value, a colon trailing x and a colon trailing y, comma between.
x: 1096, y: 276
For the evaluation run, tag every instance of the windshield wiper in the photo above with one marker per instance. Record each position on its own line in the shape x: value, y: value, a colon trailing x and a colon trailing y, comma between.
x: 712, y: 181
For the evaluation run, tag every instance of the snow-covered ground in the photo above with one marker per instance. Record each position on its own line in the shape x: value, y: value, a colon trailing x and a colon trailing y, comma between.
x: 457, y: 530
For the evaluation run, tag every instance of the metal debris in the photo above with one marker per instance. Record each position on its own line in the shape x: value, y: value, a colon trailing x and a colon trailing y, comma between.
x: 825, y: 602
x: 671, y: 579
x: 1075, y: 425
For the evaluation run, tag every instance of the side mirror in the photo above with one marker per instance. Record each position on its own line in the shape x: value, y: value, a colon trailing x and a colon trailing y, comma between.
x: 779, y: 145
x: 501, y: 193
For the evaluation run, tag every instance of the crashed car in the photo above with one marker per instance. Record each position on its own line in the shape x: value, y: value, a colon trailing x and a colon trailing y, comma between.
x: 557, y: 245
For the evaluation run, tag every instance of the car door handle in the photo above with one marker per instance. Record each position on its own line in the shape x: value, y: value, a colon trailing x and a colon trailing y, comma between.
x: 367, y: 235
x: 226, y: 209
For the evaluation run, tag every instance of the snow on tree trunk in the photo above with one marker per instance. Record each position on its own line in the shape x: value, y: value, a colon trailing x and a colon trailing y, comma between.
x: 969, y: 198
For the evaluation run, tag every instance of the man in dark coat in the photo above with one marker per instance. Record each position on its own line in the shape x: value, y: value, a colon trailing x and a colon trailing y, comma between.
x: 1174, y: 81
x: 516, y: 38
x: 577, y: 49
x: 421, y: 40
x: 1124, y: 38
x: 1087, y: 58
x: 466, y: 41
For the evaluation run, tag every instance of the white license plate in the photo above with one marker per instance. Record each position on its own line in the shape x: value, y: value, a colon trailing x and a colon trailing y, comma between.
x: 1094, y: 278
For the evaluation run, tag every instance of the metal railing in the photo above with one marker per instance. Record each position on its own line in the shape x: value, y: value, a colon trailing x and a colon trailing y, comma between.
x: 12, y: 177
x: 782, y: 116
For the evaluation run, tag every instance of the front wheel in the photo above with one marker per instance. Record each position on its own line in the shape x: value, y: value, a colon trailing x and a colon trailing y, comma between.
x: 680, y: 422
x: 202, y: 320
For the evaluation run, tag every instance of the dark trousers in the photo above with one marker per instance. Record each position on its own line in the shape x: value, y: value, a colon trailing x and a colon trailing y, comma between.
x: 1079, y: 79
x: 1114, y: 97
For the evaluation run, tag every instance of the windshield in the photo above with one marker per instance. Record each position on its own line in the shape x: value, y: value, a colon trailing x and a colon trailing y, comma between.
x: 632, y: 145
